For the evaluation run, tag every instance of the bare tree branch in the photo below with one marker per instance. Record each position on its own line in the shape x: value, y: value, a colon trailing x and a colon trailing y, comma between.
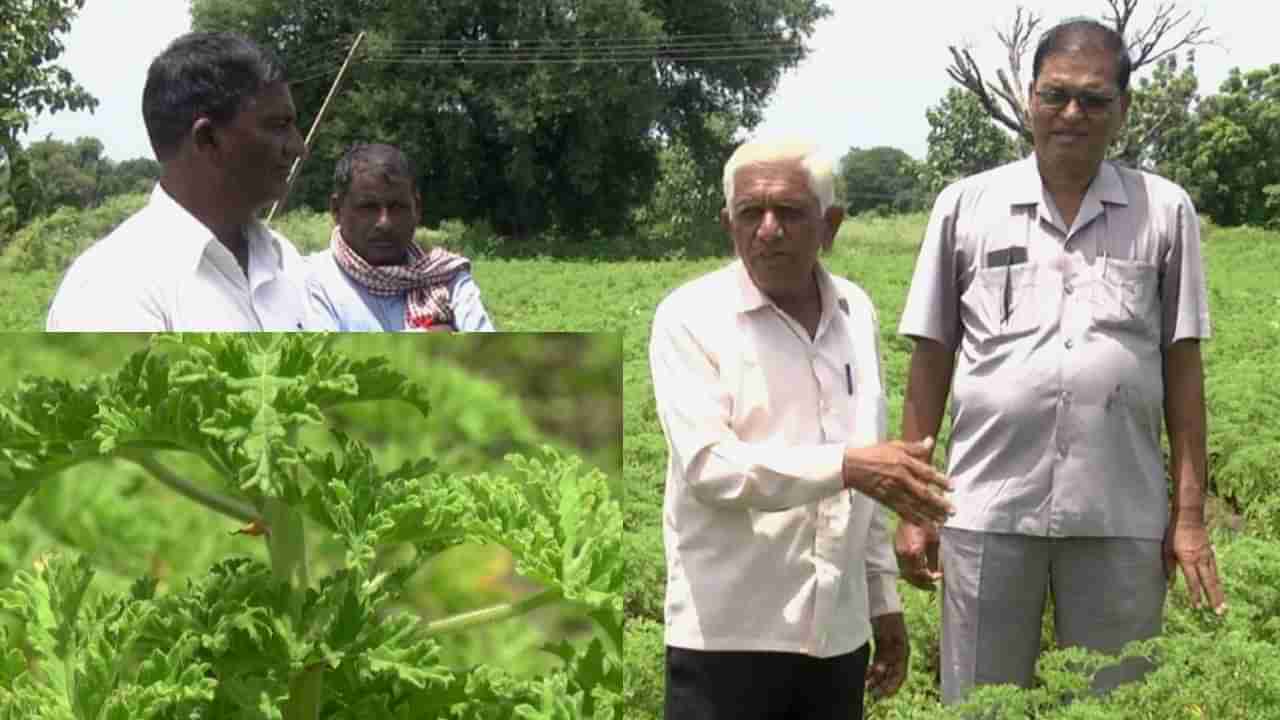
x: 1144, y: 43
x: 1016, y: 42
x: 1009, y: 90
x: 966, y: 73
x: 1169, y: 31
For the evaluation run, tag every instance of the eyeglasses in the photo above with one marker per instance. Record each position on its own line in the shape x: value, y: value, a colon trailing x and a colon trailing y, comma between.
x: 1090, y: 102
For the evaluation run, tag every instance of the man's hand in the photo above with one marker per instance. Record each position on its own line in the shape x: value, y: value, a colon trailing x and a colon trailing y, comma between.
x: 1186, y: 543
x: 898, y: 475
x: 917, y: 549
x: 889, y: 664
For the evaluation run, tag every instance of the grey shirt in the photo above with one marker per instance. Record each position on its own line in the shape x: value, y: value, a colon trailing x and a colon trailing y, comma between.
x: 1058, y: 396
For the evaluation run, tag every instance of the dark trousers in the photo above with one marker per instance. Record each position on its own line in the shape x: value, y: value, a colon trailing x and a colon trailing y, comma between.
x: 721, y: 685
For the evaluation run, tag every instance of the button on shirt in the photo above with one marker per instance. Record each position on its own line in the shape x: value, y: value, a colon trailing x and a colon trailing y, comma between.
x: 344, y: 305
x: 163, y: 270
x: 765, y: 550
x: 1058, y: 396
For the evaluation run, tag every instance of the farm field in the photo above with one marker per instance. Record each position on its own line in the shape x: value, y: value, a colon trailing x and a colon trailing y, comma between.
x: 1209, y: 668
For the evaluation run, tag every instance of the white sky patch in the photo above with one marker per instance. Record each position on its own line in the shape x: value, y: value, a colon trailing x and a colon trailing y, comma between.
x: 873, y: 71
x: 108, y: 51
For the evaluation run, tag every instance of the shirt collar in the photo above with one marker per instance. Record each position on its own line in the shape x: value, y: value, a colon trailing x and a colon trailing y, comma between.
x: 750, y: 298
x: 188, y: 239
x: 1027, y: 187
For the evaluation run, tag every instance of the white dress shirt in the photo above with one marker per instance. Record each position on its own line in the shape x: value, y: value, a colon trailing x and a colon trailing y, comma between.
x: 163, y: 270
x: 765, y: 551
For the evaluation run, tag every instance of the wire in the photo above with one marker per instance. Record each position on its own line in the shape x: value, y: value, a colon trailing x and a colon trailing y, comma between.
x: 688, y: 49
x: 577, y: 61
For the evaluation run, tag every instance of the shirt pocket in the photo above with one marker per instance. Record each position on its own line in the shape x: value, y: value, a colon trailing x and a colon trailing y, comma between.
x: 1124, y: 296
x: 1002, y: 302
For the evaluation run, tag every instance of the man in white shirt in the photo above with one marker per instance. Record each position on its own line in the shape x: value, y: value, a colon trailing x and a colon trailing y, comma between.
x: 769, y: 389
x: 374, y: 277
x: 223, y: 126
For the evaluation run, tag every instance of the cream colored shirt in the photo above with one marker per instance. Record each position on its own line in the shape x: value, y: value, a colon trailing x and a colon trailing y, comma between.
x: 163, y: 270
x: 1058, y: 397
x: 764, y: 549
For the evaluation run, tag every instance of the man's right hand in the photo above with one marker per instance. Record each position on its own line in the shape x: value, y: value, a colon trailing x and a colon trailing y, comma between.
x: 898, y: 475
x: 917, y: 549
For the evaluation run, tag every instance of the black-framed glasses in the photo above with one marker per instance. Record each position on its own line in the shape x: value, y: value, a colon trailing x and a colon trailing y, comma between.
x: 1090, y: 102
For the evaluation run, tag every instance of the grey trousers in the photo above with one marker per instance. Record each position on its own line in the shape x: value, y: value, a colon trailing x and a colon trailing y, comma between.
x: 1106, y: 592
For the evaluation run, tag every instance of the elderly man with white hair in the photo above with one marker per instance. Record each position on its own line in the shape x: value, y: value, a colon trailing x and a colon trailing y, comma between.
x: 769, y: 388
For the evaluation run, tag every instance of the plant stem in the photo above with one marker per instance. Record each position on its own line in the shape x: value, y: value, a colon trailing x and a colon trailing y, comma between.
x: 286, y: 544
x: 221, y: 503
x: 306, y: 695
x: 492, y: 614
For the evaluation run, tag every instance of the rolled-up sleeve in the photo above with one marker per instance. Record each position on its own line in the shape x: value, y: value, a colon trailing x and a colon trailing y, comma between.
x: 719, y: 469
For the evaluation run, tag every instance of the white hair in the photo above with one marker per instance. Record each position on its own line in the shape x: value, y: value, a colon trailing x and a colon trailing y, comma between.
x: 817, y: 168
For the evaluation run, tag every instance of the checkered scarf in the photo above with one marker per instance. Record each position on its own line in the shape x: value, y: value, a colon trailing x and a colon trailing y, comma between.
x: 426, y: 279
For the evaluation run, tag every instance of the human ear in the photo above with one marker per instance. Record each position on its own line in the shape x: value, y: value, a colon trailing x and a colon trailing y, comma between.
x: 832, y: 220
x: 203, y: 135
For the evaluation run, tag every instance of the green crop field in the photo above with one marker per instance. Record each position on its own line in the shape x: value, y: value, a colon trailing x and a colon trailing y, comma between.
x: 1208, y: 667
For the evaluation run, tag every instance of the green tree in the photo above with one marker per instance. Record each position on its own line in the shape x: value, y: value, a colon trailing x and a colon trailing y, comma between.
x: 535, y: 140
x: 30, y: 83
x: 963, y: 141
x: 1231, y: 164
x: 138, y: 175
x: 1161, y: 116
x: 65, y: 174
x: 881, y: 179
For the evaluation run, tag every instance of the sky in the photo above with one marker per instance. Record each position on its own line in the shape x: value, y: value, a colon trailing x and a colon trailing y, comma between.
x: 870, y: 77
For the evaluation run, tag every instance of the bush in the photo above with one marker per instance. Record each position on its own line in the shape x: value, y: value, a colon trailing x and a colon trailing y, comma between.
x: 53, y: 241
x: 681, y: 219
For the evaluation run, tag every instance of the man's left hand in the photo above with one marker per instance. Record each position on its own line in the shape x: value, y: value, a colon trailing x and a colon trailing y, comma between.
x: 1187, y: 544
x: 889, y: 664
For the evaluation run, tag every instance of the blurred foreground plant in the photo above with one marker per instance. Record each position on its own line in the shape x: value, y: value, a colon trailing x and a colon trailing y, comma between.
x: 271, y: 640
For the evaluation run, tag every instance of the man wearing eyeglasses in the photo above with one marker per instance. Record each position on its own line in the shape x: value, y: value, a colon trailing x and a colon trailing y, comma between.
x: 1061, y: 301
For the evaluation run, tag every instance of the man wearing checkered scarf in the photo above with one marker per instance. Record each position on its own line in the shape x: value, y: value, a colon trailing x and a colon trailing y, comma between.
x: 374, y: 277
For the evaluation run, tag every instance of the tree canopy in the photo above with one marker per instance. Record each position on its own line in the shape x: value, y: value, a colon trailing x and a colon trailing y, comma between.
x: 78, y: 175
x: 882, y: 179
x: 528, y: 115
x: 31, y: 83
x: 963, y: 140
x: 1229, y: 163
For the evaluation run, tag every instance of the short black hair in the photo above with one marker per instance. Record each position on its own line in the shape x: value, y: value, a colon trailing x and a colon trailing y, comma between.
x: 388, y: 158
x: 1084, y: 30
x: 203, y: 74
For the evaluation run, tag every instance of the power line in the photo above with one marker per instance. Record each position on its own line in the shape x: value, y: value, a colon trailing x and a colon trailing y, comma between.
x: 593, y: 46
x: 618, y: 50
x: 690, y: 37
